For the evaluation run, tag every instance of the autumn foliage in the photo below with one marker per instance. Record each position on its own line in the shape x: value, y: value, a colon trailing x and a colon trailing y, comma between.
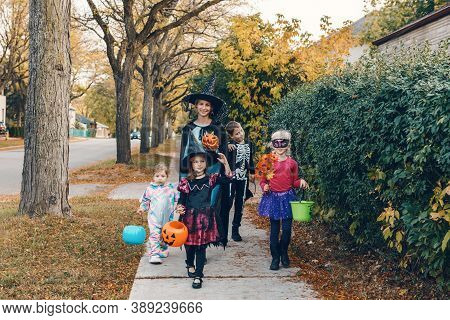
x: 265, y: 167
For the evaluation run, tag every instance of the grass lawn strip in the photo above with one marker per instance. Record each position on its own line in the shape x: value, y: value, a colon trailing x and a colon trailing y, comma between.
x: 78, y: 258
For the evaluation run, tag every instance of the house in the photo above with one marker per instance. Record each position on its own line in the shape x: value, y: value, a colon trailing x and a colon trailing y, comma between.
x: 432, y: 28
x: 82, y: 126
x: 357, y: 52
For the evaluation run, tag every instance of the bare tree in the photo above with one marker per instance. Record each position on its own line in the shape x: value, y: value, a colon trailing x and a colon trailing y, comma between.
x: 169, y: 62
x: 137, y: 23
x: 45, y: 184
x: 13, y: 41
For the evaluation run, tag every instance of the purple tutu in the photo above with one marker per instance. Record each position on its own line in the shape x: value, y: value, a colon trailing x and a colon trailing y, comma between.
x: 276, y: 206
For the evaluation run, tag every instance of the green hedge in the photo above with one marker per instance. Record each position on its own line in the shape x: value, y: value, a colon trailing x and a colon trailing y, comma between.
x: 15, y: 131
x: 374, y: 141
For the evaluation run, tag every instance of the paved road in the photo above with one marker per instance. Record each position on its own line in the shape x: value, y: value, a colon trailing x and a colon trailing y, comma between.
x: 81, y: 153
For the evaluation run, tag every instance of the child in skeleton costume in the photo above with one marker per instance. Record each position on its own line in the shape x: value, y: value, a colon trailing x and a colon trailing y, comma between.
x: 195, y: 209
x: 240, y: 155
x: 158, y: 201
x: 278, y: 192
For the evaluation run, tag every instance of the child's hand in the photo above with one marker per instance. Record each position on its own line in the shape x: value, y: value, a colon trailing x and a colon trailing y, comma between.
x: 180, y: 209
x: 266, y: 188
x: 222, y: 159
x: 231, y: 147
x: 140, y: 211
x: 304, y: 184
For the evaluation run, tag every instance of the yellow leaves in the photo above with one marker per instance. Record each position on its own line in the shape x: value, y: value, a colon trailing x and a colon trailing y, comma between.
x: 389, y: 215
x: 376, y: 174
x: 399, y: 236
x: 352, y: 228
x: 387, y: 233
x: 390, y: 228
x: 439, y: 208
x: 270, y: 175
x: 445, y: 241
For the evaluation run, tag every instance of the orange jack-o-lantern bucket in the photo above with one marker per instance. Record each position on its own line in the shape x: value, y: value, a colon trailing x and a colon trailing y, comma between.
x: 210, y: 141
x: 174, y: 233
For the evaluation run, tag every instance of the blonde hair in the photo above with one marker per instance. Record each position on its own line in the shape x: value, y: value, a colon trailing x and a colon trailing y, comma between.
x: 281, y: 134
x: 161, y: 167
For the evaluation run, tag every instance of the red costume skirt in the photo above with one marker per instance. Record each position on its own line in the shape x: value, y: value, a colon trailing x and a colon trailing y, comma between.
x: 202, y: 226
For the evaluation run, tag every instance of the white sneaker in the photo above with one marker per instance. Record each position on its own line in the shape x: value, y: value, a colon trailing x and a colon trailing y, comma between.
x: 155, y: 260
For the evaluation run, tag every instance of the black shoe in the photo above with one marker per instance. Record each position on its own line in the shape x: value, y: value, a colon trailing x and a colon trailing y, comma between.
x: 275, y: 265
x: 285, y: 260
x: 190, y: 274
x: 235, y: 235
x: 197, y: 284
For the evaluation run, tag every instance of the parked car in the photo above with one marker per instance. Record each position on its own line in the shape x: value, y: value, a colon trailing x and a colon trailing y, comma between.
x: 2, y: 127
x: 135, y: 135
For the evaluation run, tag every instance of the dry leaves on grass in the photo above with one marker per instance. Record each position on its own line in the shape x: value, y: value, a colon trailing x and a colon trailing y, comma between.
x: 339, y: 271
x: 78, y: 258
x: 109, y: 172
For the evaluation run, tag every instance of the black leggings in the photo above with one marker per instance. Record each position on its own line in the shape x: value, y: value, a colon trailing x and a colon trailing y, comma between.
x: 199, y: 254
x: 280, y: 246
x: 238, y: 189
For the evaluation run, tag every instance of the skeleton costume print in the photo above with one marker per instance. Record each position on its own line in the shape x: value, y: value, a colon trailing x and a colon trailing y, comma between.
x: 242, y: 159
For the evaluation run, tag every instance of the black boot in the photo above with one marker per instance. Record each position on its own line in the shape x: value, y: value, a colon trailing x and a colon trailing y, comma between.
x: 275, y: 252
x: 285, y: 259
x: 235, y: 234
x: 275, y: 265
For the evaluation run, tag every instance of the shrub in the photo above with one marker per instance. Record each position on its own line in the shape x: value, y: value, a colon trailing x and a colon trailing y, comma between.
x: 374, y: 141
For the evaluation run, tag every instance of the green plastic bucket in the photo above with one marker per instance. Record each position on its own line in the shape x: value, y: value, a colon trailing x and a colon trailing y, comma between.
x: 301, y: 210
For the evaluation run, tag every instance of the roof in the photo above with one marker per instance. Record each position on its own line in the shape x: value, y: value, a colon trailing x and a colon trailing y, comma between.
x: 435, y: 15
x: 101, y: 125
x: 83, y: 119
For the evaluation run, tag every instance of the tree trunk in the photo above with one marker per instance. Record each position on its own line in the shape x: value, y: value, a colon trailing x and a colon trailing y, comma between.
x: 157, y: 93
x: 45, y: 184
x: 146, y: 106
x: 170, y: 129
x: 123, y: 92
x: 162, y: 126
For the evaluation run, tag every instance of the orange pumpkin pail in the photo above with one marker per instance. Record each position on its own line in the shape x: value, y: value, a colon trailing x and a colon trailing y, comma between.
x: 210, y: 141
x: 174, y: 233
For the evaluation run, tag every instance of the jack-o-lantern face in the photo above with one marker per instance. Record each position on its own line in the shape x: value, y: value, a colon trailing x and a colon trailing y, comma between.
x: 174, y: 233
x: 210, y: 141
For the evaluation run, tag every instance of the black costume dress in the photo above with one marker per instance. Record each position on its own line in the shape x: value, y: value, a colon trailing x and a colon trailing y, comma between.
x: 220, y: 194
x: 200, y: 217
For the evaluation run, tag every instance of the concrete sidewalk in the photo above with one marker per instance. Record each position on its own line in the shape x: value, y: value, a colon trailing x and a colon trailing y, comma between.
x: 241, y: 271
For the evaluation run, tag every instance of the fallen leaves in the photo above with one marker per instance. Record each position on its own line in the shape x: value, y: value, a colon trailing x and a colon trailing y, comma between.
x: 82, y: 257
x: 338, y: 270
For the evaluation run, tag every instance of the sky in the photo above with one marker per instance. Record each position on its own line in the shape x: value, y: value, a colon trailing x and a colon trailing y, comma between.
x: 310, y: 11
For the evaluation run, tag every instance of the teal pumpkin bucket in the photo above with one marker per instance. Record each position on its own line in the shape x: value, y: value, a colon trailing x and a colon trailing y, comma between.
x: 301, y: 210
x: 134, y: 235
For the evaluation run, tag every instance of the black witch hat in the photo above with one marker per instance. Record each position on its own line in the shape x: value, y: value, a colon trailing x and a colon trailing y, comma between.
x: 219, y: 107
x: 193, y: 148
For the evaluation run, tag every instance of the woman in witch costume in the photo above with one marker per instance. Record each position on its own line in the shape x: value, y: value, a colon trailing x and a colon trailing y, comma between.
x: 195, y: 209
x: 210, y: 111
